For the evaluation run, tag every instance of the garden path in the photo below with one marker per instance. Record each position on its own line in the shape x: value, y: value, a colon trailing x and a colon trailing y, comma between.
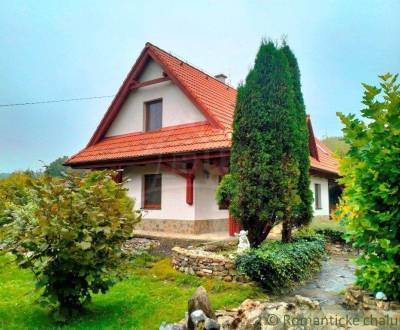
x: 337, y: 273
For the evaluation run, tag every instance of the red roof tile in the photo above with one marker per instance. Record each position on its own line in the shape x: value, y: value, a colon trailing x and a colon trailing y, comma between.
x: 327, y: 161
x: 214, y: 98
x: 171, y: 140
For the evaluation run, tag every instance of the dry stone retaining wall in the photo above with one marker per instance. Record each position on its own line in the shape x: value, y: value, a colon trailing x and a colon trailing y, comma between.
x: 205, y: 263
x: 359, y: 299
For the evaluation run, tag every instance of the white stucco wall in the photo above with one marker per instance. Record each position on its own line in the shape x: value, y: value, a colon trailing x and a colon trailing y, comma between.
x: 177, y: 108
x: 206, y: 207
x: 151, y: 71
x: 324, y: 195
x: 173, y: 193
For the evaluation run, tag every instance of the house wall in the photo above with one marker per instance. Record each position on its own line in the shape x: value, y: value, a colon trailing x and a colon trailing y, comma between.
x: 173, y: 193
x: 204, y: 215
x: 177, y: 108
x: 206, y: 183
x: 175, y: 214
x: 324, y: 211
x: 151, y: 71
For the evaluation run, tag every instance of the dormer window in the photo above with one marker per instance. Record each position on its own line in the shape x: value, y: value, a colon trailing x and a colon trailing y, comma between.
x: 153, y: 115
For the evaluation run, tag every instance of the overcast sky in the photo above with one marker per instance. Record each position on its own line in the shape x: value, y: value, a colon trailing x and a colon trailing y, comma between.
x: 53, y: 50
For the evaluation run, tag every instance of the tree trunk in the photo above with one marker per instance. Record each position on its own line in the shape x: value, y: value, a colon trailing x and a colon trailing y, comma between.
x: 286, y: 232
x: 259, y: 235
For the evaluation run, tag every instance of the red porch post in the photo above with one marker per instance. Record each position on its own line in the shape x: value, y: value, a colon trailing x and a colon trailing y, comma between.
x: 233, y: 226
x: 189, y: 189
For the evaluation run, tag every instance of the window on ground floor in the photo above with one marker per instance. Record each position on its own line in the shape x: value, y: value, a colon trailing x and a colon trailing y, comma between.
x: 152, y: 191
x: 317, y: 196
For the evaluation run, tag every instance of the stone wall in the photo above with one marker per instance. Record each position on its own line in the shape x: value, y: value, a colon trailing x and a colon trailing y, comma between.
x: 184, y: 226
x: 204, y: 263
x: 357, y: 298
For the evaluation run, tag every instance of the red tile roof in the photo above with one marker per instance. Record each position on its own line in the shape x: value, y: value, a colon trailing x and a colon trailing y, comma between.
x: 327, y: 161
x: 215, y: 99
x: 170, y: 140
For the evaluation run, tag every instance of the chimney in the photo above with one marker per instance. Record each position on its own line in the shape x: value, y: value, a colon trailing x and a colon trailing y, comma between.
x: 221, y: 77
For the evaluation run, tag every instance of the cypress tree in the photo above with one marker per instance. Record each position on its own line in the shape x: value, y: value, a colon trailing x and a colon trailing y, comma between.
x: 303, y: 214
x: 262, y: 162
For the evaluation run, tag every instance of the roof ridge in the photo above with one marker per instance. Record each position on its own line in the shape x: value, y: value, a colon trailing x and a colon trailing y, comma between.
x: 149, y: 44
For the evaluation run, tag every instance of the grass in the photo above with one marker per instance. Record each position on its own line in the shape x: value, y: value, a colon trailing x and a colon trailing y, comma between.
x: 326, y: 224
x: 154, y: 292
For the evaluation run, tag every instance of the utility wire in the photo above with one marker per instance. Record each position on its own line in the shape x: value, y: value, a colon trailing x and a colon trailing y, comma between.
x: 55, y: 101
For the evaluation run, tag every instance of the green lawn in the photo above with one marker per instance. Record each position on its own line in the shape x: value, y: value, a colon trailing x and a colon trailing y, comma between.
x: 154, y: 292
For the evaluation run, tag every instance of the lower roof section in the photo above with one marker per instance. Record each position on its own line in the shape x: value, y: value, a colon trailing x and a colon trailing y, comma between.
x: 196, y: 137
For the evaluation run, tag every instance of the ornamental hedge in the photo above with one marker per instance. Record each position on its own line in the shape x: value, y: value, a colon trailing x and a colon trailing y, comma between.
x: 278, y: 266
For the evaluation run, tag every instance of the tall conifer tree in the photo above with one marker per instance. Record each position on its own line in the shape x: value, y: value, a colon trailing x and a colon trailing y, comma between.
x: 262, y: 162
x: 303, y: 213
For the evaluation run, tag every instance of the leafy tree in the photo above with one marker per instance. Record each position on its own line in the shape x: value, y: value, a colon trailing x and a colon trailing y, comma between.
x: 303, y: 213
x: 70, y: 234
x: 370, y: 203
x: 337, y: 144
x: 56, y: 167
x: 262, y: 163
x: 13, y: 190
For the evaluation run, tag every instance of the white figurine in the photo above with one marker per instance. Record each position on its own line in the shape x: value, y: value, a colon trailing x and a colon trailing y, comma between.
x: 244, y: 243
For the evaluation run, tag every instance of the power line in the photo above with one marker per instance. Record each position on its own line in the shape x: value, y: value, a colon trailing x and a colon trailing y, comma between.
x: 55, y: 101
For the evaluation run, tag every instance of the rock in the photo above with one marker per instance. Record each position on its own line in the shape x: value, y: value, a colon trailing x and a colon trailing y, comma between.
x: 138, y: 245
x: 356, y: 293
x: 200, y: 301
x: 369, y: 300
x: 380, y: 296
x: 395, y: 306
x: 249, y: 304
x: 304, y: 301
x: 228, y: 278
x: 382, y: 305
x: 169, y: 326
x: 210, y: 324
x: 197, y: 319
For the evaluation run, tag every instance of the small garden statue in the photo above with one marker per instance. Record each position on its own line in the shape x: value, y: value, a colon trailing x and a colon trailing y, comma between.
x: 244, y: 243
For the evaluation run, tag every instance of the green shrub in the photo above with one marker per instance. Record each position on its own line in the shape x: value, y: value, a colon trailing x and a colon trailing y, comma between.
x: 70, y: 234
x: 279, y: 266
x: 332, y: 235
x: 13, y: 190
x: 225, y: 190
x: 370, y: 204
x: 332, y: 230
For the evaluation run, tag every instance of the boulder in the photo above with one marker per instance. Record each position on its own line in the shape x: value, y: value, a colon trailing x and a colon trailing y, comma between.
x: 198, y: 319
x: 170, y: 326
x: 304, y: 301
x: 210, y: 324
x: 199, y: 301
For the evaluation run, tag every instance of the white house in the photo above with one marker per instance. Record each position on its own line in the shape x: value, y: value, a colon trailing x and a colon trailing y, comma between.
x: 169, y: 130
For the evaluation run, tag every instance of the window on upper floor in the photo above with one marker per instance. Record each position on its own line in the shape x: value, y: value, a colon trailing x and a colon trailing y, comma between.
x: 152, y: 191
x: 153, y: 115
x: 317, y: 196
